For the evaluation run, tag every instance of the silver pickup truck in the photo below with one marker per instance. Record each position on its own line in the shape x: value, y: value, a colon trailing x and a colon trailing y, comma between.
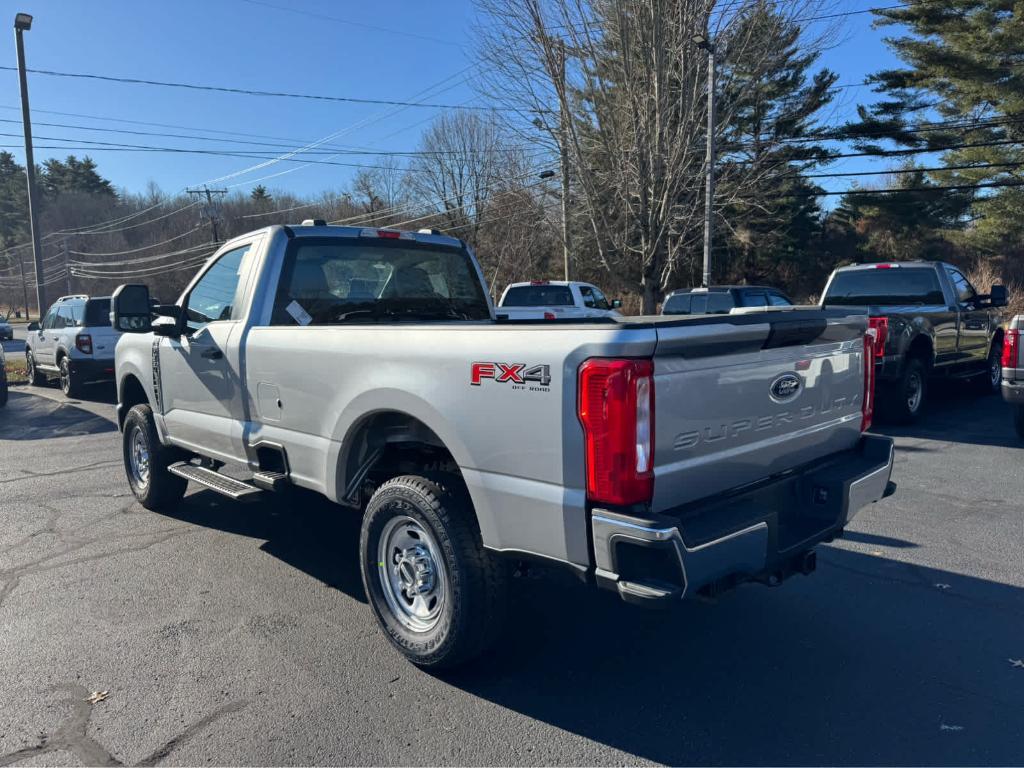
x: 658, y: 457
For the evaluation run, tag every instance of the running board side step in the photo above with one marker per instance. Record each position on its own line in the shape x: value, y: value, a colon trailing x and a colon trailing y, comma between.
x: 215, y: 481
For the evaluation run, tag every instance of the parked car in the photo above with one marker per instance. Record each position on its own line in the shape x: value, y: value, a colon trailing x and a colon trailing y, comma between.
x: 74, y: 342
x: 1013, y: 371
x: 722, y: 299
x: 930, y: 322
x: 317, y: 356
x: 6, y: 330
x: 555, y: 299
x: 3, y: 378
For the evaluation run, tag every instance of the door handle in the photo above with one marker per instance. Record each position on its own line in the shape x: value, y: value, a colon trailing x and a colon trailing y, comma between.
x: 212, y: 353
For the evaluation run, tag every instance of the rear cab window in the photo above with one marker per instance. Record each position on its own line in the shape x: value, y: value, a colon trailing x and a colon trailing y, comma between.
x: 539, y: 296
x: 893, y: 286
x: 331, y: 281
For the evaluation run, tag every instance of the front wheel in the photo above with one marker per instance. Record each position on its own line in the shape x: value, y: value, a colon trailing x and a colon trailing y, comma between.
x: 146, y: 462
x: 989, y: 382
x: 35, y: 377
x: 436, y: 592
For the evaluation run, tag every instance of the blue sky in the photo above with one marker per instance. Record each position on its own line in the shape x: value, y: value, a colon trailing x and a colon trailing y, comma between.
x: 388, y: 49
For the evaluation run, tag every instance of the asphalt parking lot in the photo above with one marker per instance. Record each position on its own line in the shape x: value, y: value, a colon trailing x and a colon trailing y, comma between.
x: 231, y: 634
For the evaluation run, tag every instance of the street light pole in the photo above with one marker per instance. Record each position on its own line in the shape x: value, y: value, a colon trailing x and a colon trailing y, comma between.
x: 23, y: 22
x: 703, y: 42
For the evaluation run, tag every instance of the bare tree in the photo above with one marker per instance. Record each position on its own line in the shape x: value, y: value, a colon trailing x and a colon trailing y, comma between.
x: 620, y: 87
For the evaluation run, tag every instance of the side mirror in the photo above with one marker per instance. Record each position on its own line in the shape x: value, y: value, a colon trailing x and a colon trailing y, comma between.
x: 616, y: 303
x: 998, y: 296
x: 130, y: 309
x: 33, y: 326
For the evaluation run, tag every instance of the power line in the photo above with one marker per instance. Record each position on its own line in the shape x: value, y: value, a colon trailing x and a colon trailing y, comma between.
x: 253, y: 91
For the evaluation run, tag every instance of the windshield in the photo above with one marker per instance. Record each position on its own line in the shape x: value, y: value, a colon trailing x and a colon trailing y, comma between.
x: 538, y: 296
x: 885, y: 286
x: 326, y: 281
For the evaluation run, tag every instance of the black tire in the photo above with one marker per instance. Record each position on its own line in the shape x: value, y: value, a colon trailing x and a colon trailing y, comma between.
x: 35, y: 377
x: 900, y: 405
x: 69, y: 383
x: 469, y: 602
x: 156, y: 488
x: 990, y: 382
x: 1018, y: 420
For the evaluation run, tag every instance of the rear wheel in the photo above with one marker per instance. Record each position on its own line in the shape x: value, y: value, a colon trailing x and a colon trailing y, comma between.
x: 35, y: 377
x: 908, y: 399
x: 146, y: 462
x: 436, y: 592
x: 69, y: 383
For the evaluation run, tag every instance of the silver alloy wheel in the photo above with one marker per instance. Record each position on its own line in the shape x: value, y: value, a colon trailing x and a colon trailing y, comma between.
x: 412, y: 574
x: 65, y: 376
x: 915, y: 386
x: 30, y: 365
x: 138, y: 456
x: 995, y: 370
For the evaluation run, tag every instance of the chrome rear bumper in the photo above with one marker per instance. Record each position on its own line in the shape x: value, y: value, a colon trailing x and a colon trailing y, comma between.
x: 763, y: 533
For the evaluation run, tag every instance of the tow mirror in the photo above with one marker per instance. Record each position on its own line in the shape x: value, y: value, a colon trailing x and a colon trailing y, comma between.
x: 616, y: 303
x: 33, y: 326
x: 131, y: 310
x: 998, y: 296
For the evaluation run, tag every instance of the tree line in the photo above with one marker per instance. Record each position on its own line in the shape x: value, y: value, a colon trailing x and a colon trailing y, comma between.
x: 615, y: 91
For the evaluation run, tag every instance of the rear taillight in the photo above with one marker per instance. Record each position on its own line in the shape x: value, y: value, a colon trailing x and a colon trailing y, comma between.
x: 83, y: 343
x: 1011, y: 349
x: 549, y: 316
x: 867, y: 409
x: 616, y: 408
x: 881, y: 326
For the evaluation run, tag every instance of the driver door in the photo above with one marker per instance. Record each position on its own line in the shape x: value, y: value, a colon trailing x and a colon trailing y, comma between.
x: 200, y: 371
x: 973, y: 340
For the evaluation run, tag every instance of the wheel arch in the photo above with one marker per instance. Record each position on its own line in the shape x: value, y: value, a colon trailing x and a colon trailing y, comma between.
x: 130, y: 392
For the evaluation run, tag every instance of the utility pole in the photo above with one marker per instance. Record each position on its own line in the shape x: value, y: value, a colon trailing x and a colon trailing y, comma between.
x: 24, y: 284
x: 67, y: 272
x: 563, y: 152
x: 211, y: 208
x: 23, y: 22
x: 702, y: 41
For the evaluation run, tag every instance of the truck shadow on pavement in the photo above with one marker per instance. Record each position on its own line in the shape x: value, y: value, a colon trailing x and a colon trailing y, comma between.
x: 27, y: 417
x: 869, y: 661
x: 958, y: 416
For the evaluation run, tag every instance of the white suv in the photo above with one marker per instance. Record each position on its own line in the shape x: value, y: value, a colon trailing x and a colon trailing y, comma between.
x: 74, y: 342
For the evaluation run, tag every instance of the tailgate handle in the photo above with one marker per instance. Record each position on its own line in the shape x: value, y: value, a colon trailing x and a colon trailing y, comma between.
x: 791, y: 333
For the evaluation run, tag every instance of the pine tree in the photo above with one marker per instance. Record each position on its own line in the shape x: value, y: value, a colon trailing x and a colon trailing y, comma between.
x: 962, y: 84
x: 259, y: 194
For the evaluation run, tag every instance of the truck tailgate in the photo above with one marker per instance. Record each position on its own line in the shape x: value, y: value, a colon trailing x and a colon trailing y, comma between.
x: 743, y: 398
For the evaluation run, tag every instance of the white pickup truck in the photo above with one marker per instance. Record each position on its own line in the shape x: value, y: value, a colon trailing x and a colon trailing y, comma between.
x: 658, y: 457
x: 555, y: 300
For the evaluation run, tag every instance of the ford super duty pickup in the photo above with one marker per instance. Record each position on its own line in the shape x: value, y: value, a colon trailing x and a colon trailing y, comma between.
x: 930, y: 322
x: 658, y: 457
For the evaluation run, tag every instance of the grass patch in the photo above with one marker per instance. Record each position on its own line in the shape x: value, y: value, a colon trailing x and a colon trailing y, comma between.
x: 17, y: 371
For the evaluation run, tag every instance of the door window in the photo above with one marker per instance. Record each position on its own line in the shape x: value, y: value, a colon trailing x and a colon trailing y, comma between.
x: 65, y: 318
x: 753, y: 299
x: 593, y: 298
x: 965, y: 292
x: 778, y: 300
x: 677, y: 305
x: 50, y: 319
x: 213, y: 297
x: 719, y: 303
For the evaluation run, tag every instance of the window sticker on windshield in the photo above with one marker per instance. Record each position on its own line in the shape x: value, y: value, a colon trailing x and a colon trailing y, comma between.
x: 301, y: 316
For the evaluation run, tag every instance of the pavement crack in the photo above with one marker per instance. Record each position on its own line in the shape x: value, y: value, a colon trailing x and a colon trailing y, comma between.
x: 72, y: 736
x: 30, y: 475
x: 160, y: 753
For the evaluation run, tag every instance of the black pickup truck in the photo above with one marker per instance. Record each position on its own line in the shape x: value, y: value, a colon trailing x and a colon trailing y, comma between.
x: 929, y: 322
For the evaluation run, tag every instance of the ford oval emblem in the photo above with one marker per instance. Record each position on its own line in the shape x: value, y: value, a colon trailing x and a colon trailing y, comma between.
x: 785, y: 387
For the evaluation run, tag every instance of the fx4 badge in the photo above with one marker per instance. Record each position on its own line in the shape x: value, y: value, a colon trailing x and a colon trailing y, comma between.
x: 517, y: 374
